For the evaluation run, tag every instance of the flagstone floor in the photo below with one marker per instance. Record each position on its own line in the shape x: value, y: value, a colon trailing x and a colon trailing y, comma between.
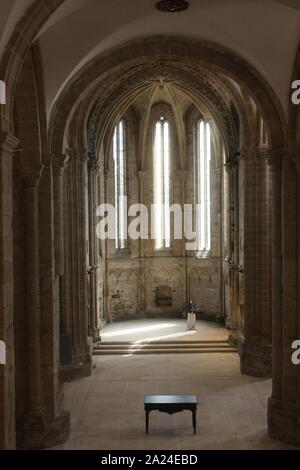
x: 108, y: 413
x: 163, y: 330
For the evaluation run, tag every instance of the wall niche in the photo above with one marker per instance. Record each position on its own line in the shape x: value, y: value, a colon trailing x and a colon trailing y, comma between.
x: 164, y: 296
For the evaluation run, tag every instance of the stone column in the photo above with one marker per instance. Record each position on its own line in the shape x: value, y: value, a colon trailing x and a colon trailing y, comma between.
x: 231, y: 167
x: 58, y: 165
x: 57, y: 421
x: 236, y: 242
x: 76, y: 285
x: 182, y: 174
x: 284, y: 403
x: 256, y: 357
x: 7, y: 372
x: 58, y: 168
x: 32, y: 426
x: 142, y: 306
x: 107, y: 254
x: 276, y: 282
x: 94, y: 319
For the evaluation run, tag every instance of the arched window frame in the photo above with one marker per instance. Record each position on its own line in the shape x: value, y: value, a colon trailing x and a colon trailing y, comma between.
x: 120, y: 157
x: 203, y: 161
x: 162, y: 176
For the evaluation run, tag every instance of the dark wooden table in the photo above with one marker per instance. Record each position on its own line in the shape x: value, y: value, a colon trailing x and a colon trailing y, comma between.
x: 171, y: 404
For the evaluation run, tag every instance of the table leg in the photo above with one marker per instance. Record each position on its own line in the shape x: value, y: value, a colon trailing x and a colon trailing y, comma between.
x: 195, y: 421
x: 147, y: 421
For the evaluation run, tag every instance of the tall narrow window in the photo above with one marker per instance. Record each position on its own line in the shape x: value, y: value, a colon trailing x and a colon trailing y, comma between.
x: 162, y: 184
x: 119, y: 152
x: 203, y: 187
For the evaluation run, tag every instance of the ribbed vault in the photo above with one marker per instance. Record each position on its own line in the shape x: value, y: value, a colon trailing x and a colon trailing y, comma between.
x: 212, y: 77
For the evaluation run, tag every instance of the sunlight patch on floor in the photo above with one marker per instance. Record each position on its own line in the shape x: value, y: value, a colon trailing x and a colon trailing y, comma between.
x: 143, y: 329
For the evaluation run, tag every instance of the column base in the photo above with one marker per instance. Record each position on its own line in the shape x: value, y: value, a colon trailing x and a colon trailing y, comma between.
x: 256, y: 361
x: 95, y: 335
x: 76, y: 370
x: 36, y: 433
x: 283, y: 425
x: 236, y: 339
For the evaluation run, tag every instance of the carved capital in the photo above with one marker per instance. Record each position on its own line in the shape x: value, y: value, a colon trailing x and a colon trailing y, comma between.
x: 76, y: 153
x: 92, y: 270
x: 93, y: 165
x: 231, y: 163
x: 8, y: 142
x: 59, y: 163
x: 31, y: 175
x: 254, y: 151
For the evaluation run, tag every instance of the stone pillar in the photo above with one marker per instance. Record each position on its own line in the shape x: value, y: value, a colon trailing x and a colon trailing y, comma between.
x: 57, y: 421
x: 33, y: 422
x: 141, y: 176
x: 256, y: 357
x: 58, y: 165
x: 182, y: 174
x: 233, y: 321
x: 94, y: 319
x: 76, y: 259
x: 276, y: 208
x: 141, y: 289
x: 58, y: 168
x: 284, y: 403
x: 236, y: 242
x: 7, y: 372
x: 107, y: 254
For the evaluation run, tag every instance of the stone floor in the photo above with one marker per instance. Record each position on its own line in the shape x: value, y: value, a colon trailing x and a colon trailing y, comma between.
x: 108, y: 413
x: 162, y: 330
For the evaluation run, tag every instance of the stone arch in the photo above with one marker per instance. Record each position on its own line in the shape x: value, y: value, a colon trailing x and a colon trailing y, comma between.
x: 101, y: 105
x: 163, y: 275
x: 17, y: 49
x: 124, y: 275
x: 36, y: 367
x: 179, y: 50
x: 176, y: 275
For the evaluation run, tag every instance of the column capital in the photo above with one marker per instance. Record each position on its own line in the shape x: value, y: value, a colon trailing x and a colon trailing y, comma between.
x: 31, y: 175
x: 93, y: 164
x: 8, y: 142
x: 232, y: 162
x: 59, y: 162
x: 77, y: 153
x: 256, y: 151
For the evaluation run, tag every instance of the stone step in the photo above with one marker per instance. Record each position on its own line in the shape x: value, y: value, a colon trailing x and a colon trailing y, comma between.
x: 166, y: 350
x: 161, y: 346
x: 129, y: 343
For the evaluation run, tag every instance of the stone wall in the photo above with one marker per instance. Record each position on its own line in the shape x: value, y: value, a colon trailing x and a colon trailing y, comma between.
x: 133, y: 275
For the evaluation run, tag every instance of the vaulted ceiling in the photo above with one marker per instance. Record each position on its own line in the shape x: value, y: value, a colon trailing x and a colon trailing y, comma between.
x: 265, y: 33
